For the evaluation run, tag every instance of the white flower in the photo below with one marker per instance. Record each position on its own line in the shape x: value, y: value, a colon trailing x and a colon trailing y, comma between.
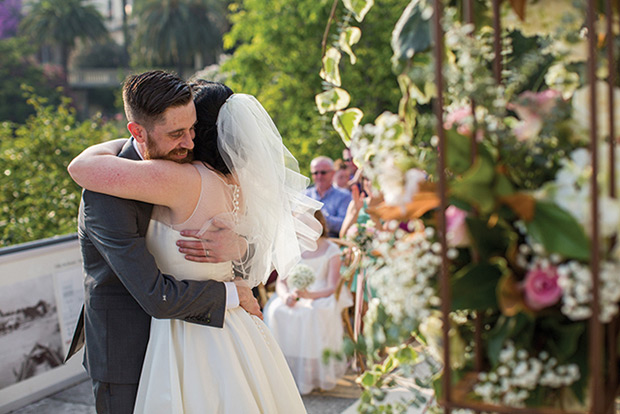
x: 581, y: 108
x: 403, y: 275
x: 576, y: 283
x: 559, y: 78
x: 513, y: 380
x: 301, y: 277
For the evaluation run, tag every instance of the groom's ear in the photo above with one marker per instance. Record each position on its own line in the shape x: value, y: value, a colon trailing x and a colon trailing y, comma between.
x: 137, y: 131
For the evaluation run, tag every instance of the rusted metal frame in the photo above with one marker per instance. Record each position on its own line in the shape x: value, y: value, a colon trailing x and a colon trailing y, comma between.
x: 468, y: 13
x: 612, y: 328
x: 442, y: 188
x: 595, y: 340
x: 497, y: 41
x: 612, y: 68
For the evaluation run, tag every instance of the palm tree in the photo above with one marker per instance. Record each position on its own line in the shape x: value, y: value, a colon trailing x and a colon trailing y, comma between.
x: 61, y: 22
x: 177, y: 30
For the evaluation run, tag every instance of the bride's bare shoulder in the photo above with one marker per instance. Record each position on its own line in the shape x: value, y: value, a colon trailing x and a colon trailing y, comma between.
x: 211, y: 174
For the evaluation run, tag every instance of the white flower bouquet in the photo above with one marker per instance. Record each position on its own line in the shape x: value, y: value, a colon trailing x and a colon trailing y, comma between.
x: 301, y: 277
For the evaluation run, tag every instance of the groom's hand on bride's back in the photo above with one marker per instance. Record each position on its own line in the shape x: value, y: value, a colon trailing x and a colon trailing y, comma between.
x: 246, y: 299
x: 216, y: 244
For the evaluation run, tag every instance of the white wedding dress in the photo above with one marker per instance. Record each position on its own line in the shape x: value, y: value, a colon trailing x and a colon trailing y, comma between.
x: 197, y: 369
x: 307, y: 329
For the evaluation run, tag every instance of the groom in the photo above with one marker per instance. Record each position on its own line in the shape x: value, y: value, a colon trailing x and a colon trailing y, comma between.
x: 123, y: 286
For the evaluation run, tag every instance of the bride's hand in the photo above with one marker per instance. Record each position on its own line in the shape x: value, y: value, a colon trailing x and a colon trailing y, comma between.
x: 217, y: 244
x: 291, y: 299
x: 304, y: 294
x: 246, y: 299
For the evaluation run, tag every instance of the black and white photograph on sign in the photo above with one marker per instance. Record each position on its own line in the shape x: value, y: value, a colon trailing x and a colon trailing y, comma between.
x: 30, y: 339
x: 69, y: 288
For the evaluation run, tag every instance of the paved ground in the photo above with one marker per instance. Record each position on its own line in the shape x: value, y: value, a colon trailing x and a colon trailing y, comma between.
x: 79, y: 400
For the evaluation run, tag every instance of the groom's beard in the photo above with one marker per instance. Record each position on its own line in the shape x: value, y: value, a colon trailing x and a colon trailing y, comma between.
x: 154, y: 153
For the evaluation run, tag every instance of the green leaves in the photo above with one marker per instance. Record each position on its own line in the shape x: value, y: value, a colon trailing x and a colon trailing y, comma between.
x: 332, y: 100
x: 330, y: 71
x: 412, y: 33
x: 476, y: 184
x: 359, y: 8
x: 559, y: 232
x: 38, y: 198
x: 174, y: 32
x: 344, y: 122
x: 562, y: 338
x: 476, y: 285
x: 506, y: 328
x: 349, y: 37
x: 458, y: 152
x: 62, y: 22
x: 490, y: 240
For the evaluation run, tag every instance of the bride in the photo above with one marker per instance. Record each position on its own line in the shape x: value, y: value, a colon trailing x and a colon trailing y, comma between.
x: 241, y: 174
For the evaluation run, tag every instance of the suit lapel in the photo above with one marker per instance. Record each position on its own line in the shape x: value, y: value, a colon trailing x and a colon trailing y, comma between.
x: 129, y: 151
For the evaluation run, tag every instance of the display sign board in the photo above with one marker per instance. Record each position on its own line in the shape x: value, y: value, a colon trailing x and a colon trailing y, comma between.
x: 41, y: 294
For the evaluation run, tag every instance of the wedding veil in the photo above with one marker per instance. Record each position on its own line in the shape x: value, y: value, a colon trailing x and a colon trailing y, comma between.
x: 276, y: 218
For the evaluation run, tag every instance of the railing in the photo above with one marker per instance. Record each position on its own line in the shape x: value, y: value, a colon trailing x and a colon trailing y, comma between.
x: 96, y: 78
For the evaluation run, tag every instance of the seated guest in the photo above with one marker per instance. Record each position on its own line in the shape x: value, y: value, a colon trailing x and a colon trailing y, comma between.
x: 335, y: 201
x: 306, y: 322
x: 341, y: 175
x: 348, y: 161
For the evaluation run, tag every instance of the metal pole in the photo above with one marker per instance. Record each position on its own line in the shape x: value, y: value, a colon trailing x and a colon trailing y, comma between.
x: 595, y: 329
x: 441, y: 219
x: 497, y: 41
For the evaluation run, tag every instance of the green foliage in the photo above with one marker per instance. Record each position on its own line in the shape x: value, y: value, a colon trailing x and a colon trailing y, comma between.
x: 559, y: 232
x: 476, y: 285
x: 16, y: 69
x: 412, y: 33
x: 279, y: 60
x: 107, y: 54
x: 396, y: 365
x: 37, y: 196
x: 174, y: 31
x: 61, y: 22
x: 523, y: 248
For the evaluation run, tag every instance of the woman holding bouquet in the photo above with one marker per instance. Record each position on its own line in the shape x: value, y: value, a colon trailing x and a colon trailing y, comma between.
x: 305, y: 320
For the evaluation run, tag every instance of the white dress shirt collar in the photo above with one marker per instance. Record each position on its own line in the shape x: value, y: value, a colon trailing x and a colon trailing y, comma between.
x: 135, y: 146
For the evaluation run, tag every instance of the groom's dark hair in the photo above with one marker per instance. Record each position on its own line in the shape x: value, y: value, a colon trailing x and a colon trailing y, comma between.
x: 146, y: 96
x: 209, y: 98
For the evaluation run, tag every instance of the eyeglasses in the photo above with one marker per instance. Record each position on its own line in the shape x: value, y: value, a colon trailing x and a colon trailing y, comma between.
x: 322, y: 172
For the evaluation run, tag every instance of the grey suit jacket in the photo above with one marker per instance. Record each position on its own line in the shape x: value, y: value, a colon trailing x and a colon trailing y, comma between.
x: 123, y: 288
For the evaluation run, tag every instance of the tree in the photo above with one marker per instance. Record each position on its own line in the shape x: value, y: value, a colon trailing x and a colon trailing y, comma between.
x: 175, y: 31
x: 61, y: 22
x: 279, y: 59
x: 17, y: 68
x: 108, y: 54
x: 9, y: 17
x: 37, y: 196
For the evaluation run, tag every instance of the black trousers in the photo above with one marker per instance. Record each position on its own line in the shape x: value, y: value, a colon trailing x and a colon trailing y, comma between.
x: 114, y: 398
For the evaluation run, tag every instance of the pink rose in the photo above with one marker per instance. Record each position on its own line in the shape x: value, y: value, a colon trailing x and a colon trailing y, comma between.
x: 456, y: 227
x: 531, y: 107
x: 541, y: 287
x: 463, y: 120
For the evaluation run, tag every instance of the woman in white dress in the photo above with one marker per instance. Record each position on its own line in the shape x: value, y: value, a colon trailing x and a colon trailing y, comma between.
x: 307, y: 322
x: 242, y: 174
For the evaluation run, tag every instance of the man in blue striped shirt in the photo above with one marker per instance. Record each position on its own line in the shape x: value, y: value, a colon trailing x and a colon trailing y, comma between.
x: 335, y: 201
